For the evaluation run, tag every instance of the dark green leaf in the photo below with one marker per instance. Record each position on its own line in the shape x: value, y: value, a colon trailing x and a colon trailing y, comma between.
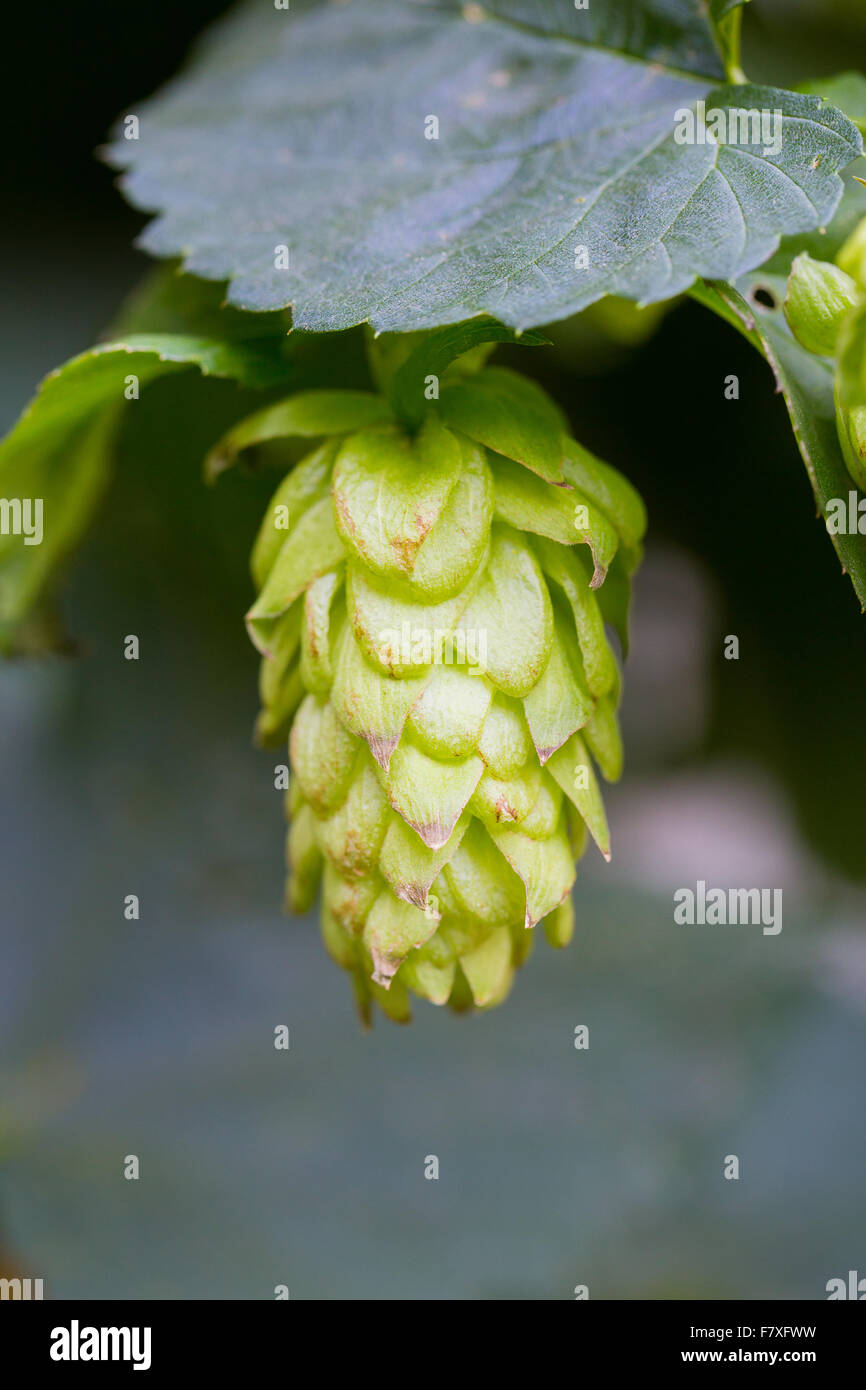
x: 306, y: 131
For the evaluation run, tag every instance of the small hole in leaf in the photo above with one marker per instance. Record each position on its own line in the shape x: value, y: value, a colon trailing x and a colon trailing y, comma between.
x: 761, y: 295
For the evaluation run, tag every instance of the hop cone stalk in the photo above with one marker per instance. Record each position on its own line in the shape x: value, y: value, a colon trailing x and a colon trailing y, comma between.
x: 431, y: 613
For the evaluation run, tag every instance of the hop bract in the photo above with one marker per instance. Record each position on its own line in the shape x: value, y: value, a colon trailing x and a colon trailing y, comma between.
x: 431, y: 616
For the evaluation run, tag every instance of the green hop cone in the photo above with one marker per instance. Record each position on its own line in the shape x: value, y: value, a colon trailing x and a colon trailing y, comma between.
x: 850, y: 394
x: 852, y: 255
x: 431, y: 615
x: 820, y: 296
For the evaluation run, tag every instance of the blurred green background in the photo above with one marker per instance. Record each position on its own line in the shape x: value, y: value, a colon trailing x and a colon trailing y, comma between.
x: 557, y: 1167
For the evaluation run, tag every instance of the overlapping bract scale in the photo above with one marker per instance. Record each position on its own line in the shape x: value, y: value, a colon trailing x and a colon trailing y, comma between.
x: 432, y: 620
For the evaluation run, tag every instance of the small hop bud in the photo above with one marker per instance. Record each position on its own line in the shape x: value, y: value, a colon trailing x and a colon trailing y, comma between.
x: 820, y: 297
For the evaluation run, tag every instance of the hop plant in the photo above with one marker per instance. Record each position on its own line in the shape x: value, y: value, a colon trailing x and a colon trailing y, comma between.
x: 825, y: 307
x: 431, y: 616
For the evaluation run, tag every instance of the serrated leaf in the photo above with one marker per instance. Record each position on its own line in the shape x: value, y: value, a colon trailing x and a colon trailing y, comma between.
x: 846, y: 90
x: 314, y: 139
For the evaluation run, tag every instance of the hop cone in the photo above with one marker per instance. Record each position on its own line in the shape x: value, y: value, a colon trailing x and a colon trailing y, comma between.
x: 850, y: 387
x: 431, y: 614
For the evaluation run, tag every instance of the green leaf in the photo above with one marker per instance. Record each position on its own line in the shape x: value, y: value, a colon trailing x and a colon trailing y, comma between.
x: 806, y: 382
x: 59, y: 451
x: 847, y: 91
x: 555, y: 136
x: 308, y: 414
x: 435, y: 353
